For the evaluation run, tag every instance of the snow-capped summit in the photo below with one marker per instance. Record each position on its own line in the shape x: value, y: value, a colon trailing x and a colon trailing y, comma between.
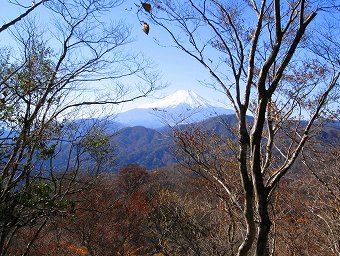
x: 182, y: 107
x: 187, y: 97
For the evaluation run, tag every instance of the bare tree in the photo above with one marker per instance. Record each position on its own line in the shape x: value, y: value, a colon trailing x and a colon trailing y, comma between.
x: 323, y: 166
x: 191, y: 220
x: 309, y: 223
x: 27, y: 11
x: 43, y: 85
x: 260, y: 55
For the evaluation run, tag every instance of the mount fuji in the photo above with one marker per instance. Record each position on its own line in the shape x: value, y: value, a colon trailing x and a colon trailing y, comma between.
x: 182, y: 107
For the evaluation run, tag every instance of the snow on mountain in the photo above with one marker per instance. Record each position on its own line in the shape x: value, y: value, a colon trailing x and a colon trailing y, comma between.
x: 182, y: 107
x: 189, y: 98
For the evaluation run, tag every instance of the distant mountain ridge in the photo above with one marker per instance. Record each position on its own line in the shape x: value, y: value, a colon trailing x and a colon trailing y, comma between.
x: 182, y: 107
x: 154, y: 148
x: 141, y: 136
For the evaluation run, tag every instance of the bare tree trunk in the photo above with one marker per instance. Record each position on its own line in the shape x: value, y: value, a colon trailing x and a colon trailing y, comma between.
x: 263, y: 66
x: 249, y: 238
x: 261, y: 194
x: 263, y: 229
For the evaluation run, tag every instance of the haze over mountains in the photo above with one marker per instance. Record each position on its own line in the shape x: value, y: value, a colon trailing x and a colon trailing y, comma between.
x: 145, y: 138
x: 182, y: 107
x: 141, y: 141
x: 143, y: 135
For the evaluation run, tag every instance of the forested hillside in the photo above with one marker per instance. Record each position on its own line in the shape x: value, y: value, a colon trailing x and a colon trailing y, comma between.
x: 152, y: 148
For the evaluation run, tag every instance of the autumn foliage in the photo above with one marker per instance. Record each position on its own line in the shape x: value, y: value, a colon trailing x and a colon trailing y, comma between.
x: 174, y: 211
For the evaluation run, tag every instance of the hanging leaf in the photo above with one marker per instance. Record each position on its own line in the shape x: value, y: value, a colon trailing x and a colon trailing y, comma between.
x: 147, y: 7
x: 146, y: 28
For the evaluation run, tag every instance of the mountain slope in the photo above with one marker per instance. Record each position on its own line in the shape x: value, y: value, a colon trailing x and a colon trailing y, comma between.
x: 153, y: 149
x: 143, y: 146
x: 182, y: 107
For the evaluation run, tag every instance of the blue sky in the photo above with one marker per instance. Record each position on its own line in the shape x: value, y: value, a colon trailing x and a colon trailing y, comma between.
x: 178, y: 70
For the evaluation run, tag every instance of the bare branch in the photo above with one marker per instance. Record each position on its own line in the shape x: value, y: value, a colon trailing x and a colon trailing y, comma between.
x: 20, y: 17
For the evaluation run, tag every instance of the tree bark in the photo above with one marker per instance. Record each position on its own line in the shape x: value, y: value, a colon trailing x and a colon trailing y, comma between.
x: 262, y: 248
x: 249, y: 238
x: 260, y: 191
